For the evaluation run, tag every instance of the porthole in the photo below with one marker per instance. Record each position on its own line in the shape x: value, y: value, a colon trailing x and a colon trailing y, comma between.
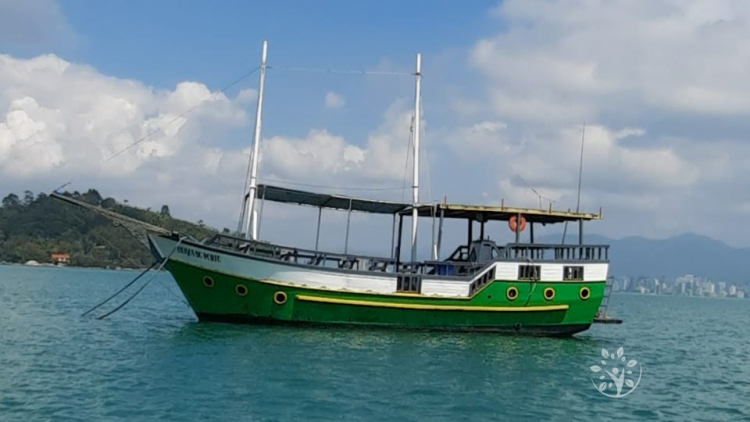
x: 584, y: 293
x: 279, y: 298
x: 208, y: 281
x: 549, y: 293
x: 512, y: 293
x: 241, y: 290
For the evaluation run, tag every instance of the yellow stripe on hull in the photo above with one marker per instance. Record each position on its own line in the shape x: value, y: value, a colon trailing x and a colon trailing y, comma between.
x: 432, y: 307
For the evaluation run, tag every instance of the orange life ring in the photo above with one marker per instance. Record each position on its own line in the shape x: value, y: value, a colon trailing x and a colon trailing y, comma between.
x: 514, y: 226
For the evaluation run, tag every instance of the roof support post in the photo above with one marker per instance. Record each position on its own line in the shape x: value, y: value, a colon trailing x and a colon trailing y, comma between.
x: 398, y: 244
x: 262, y: 205
x: 518, y: 228
x: 531, y: 233
x: 348, y: 218
x: 317, y: 233
x: 434, y: 243
x: 471, y: 235
x: 580, y: 239
x: 393, y: 238
x: 415, y: 186
x: 481, y: 230
x: 251, y: 225
x: 580, y: 232
x: 440, y: 234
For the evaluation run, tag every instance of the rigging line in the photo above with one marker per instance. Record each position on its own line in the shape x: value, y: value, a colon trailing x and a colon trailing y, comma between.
x: 181, y: 115
x: 171, y: 292
x: 406, y: 161
x: 148, y: 135
x: 137, y: 292
x: 353, y: 72
x: 426, y: 154
x: 330, y: 187
x: 136, y: 264
x: 132, y: 261
x: 245, y: 193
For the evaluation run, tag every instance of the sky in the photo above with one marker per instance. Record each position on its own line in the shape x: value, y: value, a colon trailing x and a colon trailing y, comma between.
x: 661, y: 87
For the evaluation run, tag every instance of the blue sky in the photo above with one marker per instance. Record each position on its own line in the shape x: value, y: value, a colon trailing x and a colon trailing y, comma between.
x: 165, y: 42
x: 507, y: 86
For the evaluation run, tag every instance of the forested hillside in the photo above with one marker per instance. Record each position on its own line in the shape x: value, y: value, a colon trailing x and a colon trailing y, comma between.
x: 32, y: 228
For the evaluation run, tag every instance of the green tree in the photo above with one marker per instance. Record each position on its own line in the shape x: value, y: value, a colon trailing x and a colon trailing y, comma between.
x: 11, y: 201
x: 46, y: 225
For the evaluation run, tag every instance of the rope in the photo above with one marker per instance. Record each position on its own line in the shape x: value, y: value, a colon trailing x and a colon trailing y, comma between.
x: 406, y: 161
x: 161, y: 128
x: 171, y: 292
x: 352, y: 72
x: 132, y: 261
x: 137, y: 292
x: 426, y: 156
x: 121, y: 290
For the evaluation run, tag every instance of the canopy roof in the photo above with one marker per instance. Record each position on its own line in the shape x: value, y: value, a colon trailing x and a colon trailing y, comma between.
x: 503, y: 213
x: 474, y: 212
x: 324, y: 200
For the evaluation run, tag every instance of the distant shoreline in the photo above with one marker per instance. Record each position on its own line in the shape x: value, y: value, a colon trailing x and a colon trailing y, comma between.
x: 620, y: 292
x: 48, y: 265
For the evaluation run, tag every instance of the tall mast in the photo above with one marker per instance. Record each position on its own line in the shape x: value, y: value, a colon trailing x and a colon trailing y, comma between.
x: 251, y: 225
x: 415, y: 186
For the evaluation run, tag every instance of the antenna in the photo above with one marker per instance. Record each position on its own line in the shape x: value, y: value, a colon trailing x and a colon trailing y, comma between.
x: 536, y: 192
x: 580, y: 169
x: 580, y: 173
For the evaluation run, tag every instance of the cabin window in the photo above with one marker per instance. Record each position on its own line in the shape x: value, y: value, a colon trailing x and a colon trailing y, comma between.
x: 573, y: 273
x: 409, y: 284
x: 529, y: 272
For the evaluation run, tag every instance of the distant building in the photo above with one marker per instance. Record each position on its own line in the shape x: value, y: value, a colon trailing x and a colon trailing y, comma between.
x: 732, y: 290
x: 60, y: 258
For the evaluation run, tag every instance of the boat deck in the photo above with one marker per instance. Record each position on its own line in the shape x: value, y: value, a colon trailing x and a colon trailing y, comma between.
x: 463, y: 262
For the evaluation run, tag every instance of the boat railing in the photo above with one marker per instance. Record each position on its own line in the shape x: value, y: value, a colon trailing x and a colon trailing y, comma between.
x: 460, y: 254
x: 459, y: 264
x: 556, y: 252
x: 342, y: 261
x: 303, y: 256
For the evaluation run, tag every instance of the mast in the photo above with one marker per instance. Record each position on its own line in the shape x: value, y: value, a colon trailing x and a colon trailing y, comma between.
x: 415, y: 186
x: 251, y: 225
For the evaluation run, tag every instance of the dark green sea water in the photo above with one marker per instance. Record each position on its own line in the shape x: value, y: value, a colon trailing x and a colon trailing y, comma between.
x: 152, y: 361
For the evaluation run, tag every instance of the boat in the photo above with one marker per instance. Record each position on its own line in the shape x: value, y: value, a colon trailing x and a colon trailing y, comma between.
x: 520, y: 287
x: 523, y: 287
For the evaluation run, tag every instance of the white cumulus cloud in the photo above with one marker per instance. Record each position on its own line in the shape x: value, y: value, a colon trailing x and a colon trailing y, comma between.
x: 334, y: 100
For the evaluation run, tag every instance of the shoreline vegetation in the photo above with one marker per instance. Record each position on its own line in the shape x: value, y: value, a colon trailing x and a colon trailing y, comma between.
x: 32, y: 228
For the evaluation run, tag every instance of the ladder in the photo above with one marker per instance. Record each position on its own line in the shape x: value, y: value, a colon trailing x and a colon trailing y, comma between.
x: 601, y: 315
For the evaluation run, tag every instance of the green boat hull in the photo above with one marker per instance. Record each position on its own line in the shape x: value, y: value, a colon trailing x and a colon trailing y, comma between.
x: 215, y: 296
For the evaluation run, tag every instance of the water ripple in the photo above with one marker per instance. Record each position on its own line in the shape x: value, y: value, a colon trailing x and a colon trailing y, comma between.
x: 152, y: 361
